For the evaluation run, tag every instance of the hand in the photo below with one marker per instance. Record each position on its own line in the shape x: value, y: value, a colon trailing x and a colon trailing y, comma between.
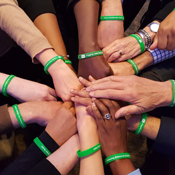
x: 26, y: 90
x: 95, y: 66
x: 64, y: 79
x: 122, y: 68
x: 165, y: 36
x: 128, y: 46
x: 112, y: 131
x: 63, y: 125
x: 40, y: 112
x: 143, y: 94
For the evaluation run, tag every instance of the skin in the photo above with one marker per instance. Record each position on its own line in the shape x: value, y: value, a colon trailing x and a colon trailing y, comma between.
x: 108, y: 31
x: 26, y: 90
x: 164, y: 38
x: 113, y: 132
x: 87, y: 34
x: 124, y: 88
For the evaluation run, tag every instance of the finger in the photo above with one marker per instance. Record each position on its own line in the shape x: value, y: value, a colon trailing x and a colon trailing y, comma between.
x: 162, y: 41
x: 105, y: 86
x: 155, y: 43
x: 96, y: 113
x: 170, y: 45
x: 113, y: 57
x: 80, y: 93
x: 90, y: 111
x: 91, y: 79
x: 84, y: 82
x: 83, y: 101
x: 110, y: 94
x: 52, y: 92
x: 51, y: 98
x: 72, y: 110
x: 67, y: 105
x: 127, y: 110
x: 101, y: 107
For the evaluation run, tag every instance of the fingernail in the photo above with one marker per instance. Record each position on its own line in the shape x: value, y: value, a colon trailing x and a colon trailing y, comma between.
x: 72, y: 98
x: 93, y: 104
x: 80, y: 78
x: 91, y: 93
x: 71, y: 90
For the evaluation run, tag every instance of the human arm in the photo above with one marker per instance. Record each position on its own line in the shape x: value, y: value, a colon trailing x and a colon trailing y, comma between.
x: 88, y: 136
x: 113, y: 132
x: 87, y: 33
x: 52, y: 140
x: 143, y: 94
x: 164, y: 37
x: 108, y: 31
x: 26, y: 90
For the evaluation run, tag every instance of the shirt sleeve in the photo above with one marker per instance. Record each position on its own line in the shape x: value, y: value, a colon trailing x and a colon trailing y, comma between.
x: 136, y: 172
x: 161, y: 55
x: 21, y: 29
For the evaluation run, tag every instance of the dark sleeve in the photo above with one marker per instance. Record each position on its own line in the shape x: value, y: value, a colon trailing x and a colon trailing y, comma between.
x: 165, y: 141
x: 44, y: 168
x: 31, y: 156
x: 162, y: 14
x: 5, y: 121
x: 34, y: 8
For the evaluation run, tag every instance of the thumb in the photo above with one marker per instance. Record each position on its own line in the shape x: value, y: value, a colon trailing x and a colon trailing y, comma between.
x: 127, y: 110
x: 155, y: 43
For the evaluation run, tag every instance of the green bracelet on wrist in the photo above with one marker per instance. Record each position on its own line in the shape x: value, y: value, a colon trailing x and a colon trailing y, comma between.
x: 5, y: 85
x: 173, y: 92
x: 19, y: 116
x: 134, y: 65
x: 106, y: 18
x: 51, y: 61
x: 141, y: 124
x: 68, y: 61
x: 89, y: 151
x: 173, y: 9
x: 142, y: 46
x: 90, y: 54
x: 117, y: 157
x: 42, y: 147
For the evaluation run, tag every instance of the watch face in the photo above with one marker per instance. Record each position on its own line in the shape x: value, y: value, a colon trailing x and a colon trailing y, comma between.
x: 154, y: 27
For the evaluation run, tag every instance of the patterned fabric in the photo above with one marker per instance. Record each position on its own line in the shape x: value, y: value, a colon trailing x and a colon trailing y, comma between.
x: 136, y: 172
x: 161, y: 55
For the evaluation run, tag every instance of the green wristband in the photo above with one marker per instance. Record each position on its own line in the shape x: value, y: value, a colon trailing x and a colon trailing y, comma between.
x: 116, y: 157
x: 19, y: 116
x: 173, y: 92
x: 90, y: 54
x: 51, y: 61
x: 134, y: 65
x: 173, y: 9
x: 142, y: 46
x: 42, y: 147
x: 141, y: 124
x: 5, y: 85
x: 108, y: 18
x: 89, y: 151
x: 68, y: 61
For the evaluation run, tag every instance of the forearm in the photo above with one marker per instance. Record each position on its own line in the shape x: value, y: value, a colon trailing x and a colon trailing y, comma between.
x: 87, y: 22
x: 22, y: 29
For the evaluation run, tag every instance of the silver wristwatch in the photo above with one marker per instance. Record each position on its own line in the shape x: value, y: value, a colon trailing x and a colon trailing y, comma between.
x: 154, y: 27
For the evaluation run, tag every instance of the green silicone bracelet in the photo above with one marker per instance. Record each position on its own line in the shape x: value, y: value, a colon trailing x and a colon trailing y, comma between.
x: 68, y: 61
x: 142, y: 46
x: 173, y: 92
x: 51, y: 61
x: 134, y: 65
x: 173, y: 9
x: 116, y: 157
x: 141, y: 124
x: 89, y: 151
x: 42, y: 147
x: 19, y: 116
x: 106, y: 18
x: 5, y: 85
x: 90, y: 54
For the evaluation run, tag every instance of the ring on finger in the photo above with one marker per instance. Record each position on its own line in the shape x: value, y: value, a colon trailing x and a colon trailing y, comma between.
x: 107, y: 116
x: 120, y: 53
